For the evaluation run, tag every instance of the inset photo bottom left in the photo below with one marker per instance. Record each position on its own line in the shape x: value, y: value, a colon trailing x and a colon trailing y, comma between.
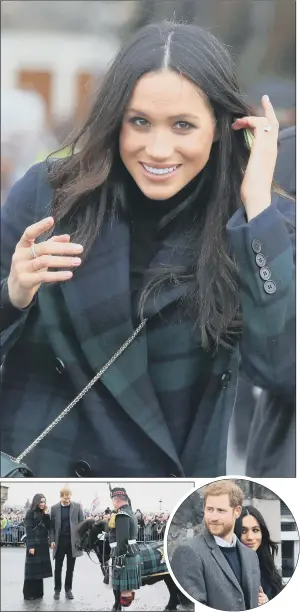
x: 88, y: 545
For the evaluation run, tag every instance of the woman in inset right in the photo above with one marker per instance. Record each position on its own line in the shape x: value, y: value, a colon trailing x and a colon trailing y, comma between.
x: 253, y: 532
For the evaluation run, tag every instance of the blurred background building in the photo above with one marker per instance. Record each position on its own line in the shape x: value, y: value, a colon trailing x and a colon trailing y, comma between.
x: 187, y: 522
x: 60, y: 50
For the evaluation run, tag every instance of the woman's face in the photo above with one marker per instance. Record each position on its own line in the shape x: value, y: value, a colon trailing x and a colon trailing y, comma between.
x: 167, y: 133
x: 42, y: 503
x: 251, y: 532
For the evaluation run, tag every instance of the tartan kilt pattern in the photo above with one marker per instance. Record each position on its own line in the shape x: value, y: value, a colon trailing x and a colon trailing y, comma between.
x: 129, y: 576
x: 152, y: 559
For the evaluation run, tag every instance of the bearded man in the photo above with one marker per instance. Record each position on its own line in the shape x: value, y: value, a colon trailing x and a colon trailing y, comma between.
x: 215, y: 568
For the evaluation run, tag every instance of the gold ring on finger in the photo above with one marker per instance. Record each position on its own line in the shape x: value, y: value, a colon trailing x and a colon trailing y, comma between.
x: 33, y: 252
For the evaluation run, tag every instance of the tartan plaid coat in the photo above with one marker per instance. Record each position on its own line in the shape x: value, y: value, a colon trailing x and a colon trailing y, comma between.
x: 53, y: 349
x: 37, y: 527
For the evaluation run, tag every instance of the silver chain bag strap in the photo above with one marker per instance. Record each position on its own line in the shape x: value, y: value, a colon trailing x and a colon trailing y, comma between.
x: 12, y: 464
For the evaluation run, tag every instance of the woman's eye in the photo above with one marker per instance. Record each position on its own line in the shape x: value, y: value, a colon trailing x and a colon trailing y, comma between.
x: 185, y: 125
x: 139, y: 121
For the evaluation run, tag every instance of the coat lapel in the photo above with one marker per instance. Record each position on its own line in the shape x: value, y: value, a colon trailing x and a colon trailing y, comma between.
x: 246, y: 570
x: 220, y: 559
x: 98, y: 305
x: 57, y: 519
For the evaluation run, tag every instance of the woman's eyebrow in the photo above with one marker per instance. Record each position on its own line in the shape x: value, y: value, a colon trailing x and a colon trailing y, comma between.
x: 179, y: 116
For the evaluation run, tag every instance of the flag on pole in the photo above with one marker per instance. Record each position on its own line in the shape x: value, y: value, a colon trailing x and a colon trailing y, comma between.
x: 95, y: 505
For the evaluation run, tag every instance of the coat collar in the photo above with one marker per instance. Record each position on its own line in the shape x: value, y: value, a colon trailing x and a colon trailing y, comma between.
x: 245, y: 563
x: 220, y: 559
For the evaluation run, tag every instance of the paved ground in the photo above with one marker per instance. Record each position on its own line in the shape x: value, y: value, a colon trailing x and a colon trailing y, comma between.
x: 89, y: 591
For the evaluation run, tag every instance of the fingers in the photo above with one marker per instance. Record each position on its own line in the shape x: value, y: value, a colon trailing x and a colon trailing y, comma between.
x: 269, y: 110
x: 50, y: 261
x: 53, y: 247
x: 259, y: 123
x: 31, y: 279
x: 62, y: 238
x: 34, y: 231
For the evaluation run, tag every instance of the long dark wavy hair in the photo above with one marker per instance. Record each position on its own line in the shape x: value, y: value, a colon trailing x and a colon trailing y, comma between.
x: 89, y: 185
x: 266, y: 551
x: 34, y: 507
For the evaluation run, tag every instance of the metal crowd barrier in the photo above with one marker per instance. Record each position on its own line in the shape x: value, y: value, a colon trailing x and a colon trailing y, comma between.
x: 147, y: 534
x: 12, y: 536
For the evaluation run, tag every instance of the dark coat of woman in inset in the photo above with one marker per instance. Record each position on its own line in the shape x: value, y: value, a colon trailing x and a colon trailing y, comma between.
x: 37, y: 563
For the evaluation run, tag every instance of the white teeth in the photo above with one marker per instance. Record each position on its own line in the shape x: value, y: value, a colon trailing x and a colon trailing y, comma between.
x: 159, y: 170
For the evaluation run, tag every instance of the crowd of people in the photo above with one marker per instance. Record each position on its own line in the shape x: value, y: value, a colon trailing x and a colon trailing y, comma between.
x: 151, y: 526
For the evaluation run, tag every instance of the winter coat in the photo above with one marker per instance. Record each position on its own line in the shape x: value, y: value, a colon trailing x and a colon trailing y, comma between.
x: 55, y: 347
x: 37, y: 527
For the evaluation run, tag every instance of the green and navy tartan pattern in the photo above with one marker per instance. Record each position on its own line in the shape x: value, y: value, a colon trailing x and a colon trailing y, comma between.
x: 126, y: 425
x: 152, y: 559
x: 129, y: 576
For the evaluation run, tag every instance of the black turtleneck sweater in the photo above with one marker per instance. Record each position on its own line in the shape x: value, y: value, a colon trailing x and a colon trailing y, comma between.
x: 146, y: 236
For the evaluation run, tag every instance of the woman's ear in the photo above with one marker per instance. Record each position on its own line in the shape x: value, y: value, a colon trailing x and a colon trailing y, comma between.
x: 217, y: 133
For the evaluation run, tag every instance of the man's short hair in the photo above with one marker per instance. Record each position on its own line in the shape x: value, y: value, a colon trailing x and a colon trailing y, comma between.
x: 225, y: 487
x: 65, y: 491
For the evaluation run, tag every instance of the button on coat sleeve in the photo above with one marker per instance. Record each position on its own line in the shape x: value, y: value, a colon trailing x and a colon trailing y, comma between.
x: 188, y: 571
x: 268, y: 299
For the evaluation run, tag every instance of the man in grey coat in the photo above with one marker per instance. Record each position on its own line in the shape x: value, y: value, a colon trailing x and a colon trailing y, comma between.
x: 64, y: 517
x: 215, y: 568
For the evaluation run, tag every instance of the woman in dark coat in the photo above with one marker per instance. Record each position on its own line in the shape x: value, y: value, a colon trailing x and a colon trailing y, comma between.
x: 253, y: 532
x: 166, y: 238
x: 37, y: 563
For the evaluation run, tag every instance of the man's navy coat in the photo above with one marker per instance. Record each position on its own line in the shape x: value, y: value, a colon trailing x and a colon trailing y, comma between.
x: 52, y: 350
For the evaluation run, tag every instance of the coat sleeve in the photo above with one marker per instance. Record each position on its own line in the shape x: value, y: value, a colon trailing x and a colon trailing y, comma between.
x: 265, y: 252
x: 18, y: 212
x: 52, y: 524
x: 29, y: 527
x: 80, y: 513
x: 47, y: 522
x: 122, y: 533
x: 188, y: 571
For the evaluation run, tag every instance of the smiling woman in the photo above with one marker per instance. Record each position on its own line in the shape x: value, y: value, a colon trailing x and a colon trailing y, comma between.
x: 159, y: 145
x: 166, y: 263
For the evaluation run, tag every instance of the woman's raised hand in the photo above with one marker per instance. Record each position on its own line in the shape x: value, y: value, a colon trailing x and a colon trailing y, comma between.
x: 257, y: 181
x: 31, y: 262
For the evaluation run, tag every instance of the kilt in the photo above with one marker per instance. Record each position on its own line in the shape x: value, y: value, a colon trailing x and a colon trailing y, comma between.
x: 129, y: 576
x: 152, y: 559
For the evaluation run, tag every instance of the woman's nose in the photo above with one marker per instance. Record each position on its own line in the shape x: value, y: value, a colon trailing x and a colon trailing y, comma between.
x: 160, y: 148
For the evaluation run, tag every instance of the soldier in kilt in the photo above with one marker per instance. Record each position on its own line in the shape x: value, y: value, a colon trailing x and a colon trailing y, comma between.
x: 126, y: 560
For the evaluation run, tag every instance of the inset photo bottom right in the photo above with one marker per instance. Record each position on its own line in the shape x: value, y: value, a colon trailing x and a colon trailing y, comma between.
x: 232, y: 545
